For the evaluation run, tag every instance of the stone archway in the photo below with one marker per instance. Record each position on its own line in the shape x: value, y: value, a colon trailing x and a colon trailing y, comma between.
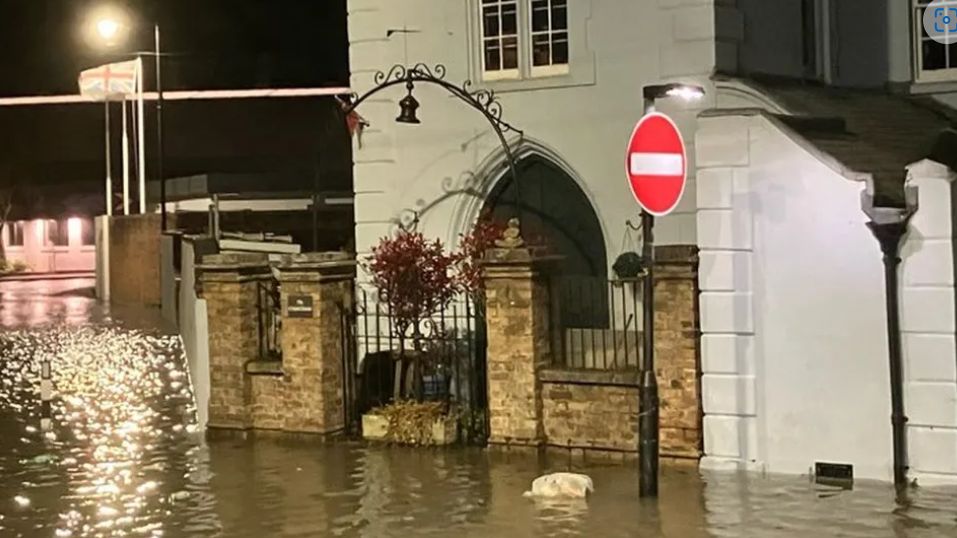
x: 556, y: 212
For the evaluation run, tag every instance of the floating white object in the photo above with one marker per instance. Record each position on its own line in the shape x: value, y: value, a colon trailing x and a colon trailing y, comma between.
x: 562, y: 485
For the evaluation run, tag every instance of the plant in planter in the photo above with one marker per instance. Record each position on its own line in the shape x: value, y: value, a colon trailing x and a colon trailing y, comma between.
x: 415, y: 281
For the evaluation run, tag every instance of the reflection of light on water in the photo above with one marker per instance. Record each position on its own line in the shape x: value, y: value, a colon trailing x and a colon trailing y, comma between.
x: 114, y: 406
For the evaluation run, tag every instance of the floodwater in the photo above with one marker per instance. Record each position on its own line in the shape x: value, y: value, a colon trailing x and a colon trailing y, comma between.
x: 123, y: 459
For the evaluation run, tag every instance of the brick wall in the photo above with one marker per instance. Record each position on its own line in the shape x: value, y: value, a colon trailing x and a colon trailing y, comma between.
x: 676, y: 350
x: 590, y: 409
x: 135, y: 259
x: 266, y: 404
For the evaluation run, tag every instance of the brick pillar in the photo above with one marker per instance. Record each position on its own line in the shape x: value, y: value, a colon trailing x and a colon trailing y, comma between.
x: 517, y: 314
x: 677, y: 350
x: 312, y: 340
x: 229, y: 283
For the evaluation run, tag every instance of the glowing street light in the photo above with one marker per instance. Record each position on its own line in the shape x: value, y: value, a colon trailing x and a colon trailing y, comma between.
x: 110, y: 26
x: 107, y: 27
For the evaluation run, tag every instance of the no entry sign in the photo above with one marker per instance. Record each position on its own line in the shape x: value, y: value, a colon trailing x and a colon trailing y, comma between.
x: 656, y: 164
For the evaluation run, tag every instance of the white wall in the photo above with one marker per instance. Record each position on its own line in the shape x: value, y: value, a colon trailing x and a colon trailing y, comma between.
x: 194, y: 331
x: 794, y: 349
x: 928, y: 326
x: 623, y: 45
x: 102, y: 263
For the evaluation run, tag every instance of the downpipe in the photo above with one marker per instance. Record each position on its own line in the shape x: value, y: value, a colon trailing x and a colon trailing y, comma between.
x: 889, y: 236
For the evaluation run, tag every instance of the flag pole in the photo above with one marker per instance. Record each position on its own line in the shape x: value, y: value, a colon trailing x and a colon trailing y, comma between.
x: 126, y: 161
x: 142, y: 135
x: 109, y: 169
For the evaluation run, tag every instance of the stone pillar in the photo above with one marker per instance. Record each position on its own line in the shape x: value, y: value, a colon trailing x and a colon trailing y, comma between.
x: 517, y: 314
x: 229, y: 283
x: 311, y: 339
x: 676, y: 350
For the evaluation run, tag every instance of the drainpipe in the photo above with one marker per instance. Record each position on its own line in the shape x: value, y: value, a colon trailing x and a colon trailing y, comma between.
x: 889, y: 226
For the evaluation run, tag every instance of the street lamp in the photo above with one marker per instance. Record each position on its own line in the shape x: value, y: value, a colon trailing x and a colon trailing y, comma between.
x: 648, y: 420
x: 110, y: 26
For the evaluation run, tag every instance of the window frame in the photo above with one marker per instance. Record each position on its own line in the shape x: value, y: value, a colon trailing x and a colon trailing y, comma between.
x: 501, y: 74
x: 947, y: 74
x: 581, y: 67
x: 62, y: 226
x: 11, y: 228
x: 552, y: 69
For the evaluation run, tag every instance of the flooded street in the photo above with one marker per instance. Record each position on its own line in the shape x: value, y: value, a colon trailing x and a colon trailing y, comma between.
x: 123, y: 459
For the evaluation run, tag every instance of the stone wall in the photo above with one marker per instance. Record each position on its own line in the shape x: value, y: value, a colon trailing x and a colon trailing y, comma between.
x: 590, y: 409
x: 677, y: 361
x: 517, y: 315
x: 302, y: 393
x: 229, y: 286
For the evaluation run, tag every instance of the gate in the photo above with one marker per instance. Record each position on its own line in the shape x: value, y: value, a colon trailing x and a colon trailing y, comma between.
x: 604, y: 331
x: 451, y: 353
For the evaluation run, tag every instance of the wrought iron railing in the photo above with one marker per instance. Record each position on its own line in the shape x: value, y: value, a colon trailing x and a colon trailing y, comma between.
x: 596, y: 323
x: 269, y: 320
x: 444, y: 362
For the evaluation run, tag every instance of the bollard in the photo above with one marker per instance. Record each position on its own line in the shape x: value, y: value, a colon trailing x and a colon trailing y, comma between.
x: 46, y: 395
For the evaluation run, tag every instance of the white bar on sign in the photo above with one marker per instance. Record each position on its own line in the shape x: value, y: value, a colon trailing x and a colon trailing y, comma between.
x: 656, y: 164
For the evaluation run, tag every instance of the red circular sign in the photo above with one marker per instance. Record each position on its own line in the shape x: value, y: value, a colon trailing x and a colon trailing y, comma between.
x: 656, y: 164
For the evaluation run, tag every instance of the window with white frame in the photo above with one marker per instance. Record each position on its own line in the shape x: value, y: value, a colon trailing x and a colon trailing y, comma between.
x: 549, y: 36
x: 523, y: 38
x: 500, y: 38
x: 934, y: 61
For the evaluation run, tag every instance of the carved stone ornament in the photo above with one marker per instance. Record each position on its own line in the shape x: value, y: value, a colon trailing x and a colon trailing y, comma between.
x: 512, y: 236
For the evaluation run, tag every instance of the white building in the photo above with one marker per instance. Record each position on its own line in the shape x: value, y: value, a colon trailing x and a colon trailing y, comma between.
x: 800, y: 113
x: 51, y: 246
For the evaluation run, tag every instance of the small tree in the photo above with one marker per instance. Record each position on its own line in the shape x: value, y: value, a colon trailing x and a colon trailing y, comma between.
x: 471, y: 251
x: 414, y: 279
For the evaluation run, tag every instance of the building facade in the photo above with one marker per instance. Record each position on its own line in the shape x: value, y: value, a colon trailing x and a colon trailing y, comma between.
x: 801, y: 114
x: 51, y: 246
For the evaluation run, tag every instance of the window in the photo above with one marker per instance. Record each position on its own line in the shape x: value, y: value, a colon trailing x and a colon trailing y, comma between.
x: 524, y: 38
x: 87, y: 233
x: 934, y: 61
x: 500, y: 38
x: 549, y: 31
x: 14, y: 234
x: 58, y: 234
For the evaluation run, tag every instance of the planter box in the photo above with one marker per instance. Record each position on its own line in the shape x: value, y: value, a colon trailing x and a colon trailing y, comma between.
x: 376, y: 428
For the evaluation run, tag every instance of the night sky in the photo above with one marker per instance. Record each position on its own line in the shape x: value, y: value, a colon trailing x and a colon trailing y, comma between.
x: 212, y: 44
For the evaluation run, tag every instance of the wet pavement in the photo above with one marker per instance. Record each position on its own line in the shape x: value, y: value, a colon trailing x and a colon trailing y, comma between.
x: 123, y: 459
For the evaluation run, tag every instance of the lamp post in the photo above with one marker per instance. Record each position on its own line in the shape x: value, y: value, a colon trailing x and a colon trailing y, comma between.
x: 648, y: 415
x: 111, y: 27
x: 889, y: 226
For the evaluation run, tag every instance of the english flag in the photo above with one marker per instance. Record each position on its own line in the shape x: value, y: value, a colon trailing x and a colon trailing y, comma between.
x: 110, y: 81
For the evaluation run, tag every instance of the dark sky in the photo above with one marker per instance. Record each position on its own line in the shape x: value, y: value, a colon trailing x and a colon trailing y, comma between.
x: 212, y: 44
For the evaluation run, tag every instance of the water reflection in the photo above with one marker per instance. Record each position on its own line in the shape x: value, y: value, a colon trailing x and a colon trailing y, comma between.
x: 123, y: 459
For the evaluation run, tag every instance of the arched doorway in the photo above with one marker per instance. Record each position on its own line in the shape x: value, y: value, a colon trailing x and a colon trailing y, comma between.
x: 556, y: 212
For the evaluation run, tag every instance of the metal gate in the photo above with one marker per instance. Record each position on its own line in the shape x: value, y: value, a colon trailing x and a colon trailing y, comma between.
x: 452, y: 348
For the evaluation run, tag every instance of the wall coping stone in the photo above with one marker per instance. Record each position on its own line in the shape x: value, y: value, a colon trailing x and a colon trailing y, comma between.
x: 316, y: 266
x: 573, y: 376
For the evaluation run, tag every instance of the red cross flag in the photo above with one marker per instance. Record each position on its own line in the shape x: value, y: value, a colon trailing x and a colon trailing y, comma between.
x: 656, y: 164
x: 110, y: 81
